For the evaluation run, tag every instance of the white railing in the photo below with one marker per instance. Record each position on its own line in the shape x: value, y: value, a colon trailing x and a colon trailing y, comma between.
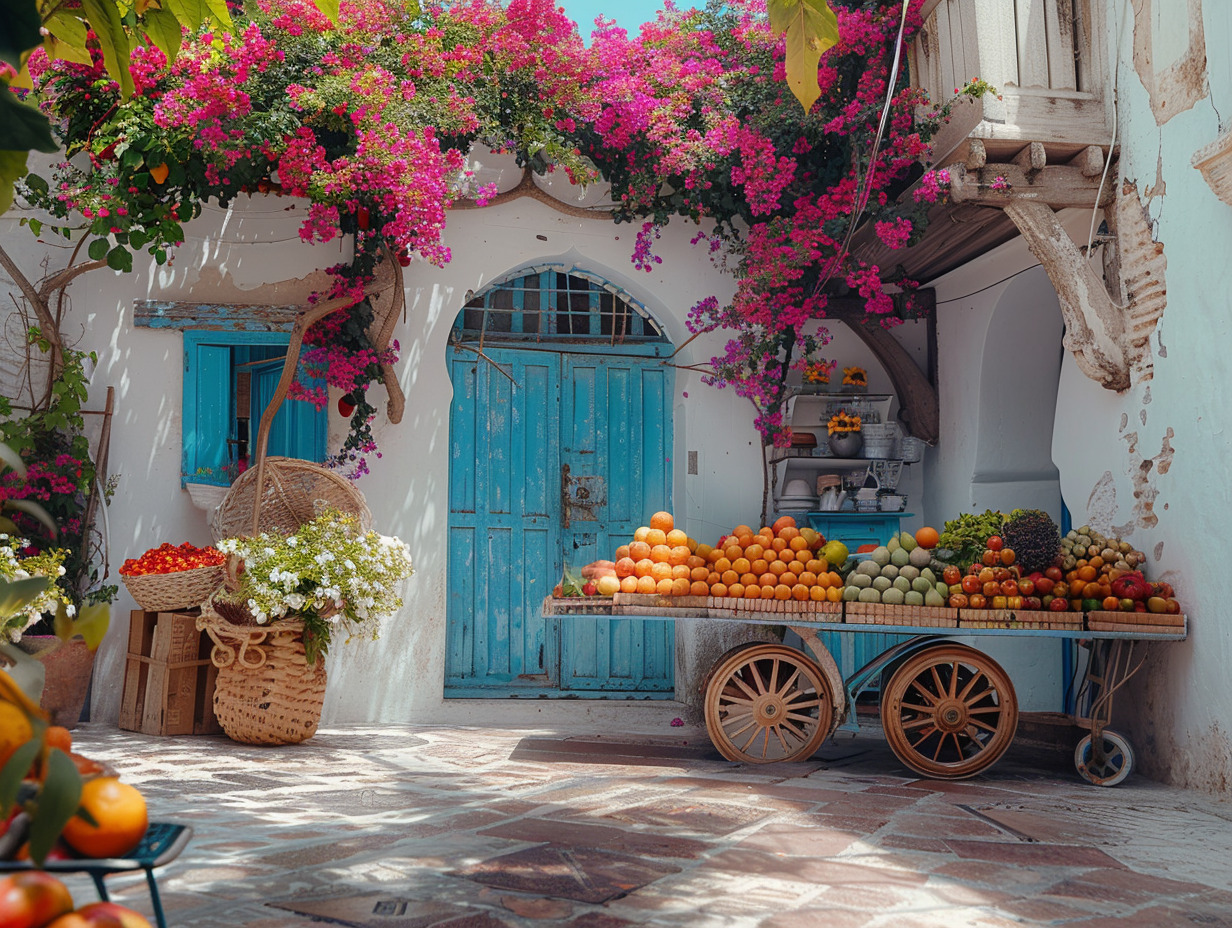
x: 1045, y: 57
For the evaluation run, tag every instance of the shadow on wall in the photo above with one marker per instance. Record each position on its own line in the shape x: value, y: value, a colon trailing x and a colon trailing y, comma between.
x: 1020, y: 373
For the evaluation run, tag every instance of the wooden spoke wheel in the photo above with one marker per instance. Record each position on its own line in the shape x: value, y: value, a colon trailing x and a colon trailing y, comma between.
x: 949, y: 712
x: 768, y: 703
x: 1109, y: 766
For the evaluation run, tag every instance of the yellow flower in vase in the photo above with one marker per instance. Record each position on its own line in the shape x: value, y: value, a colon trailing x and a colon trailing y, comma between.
x: 855, y: 379
x: 818, y: 373
x: 843, y: 422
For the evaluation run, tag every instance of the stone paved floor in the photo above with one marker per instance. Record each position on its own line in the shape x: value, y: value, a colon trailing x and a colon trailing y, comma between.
x: 435, y: 827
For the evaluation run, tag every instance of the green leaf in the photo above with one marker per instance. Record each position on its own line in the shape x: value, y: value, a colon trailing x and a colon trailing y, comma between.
x: 164, y: 31
x: 22, y: 127
x: 37, y: 183
x: 220, y: 14
x: 33, y: 509
x: 330, y: 8
x: 98, y: 249
x: 91, y: 624
x: 58, y: 801
x: 20, y: 32
x: 190, y: 13
x: 811, y: 28
x: 12, y: 169
x: 67, y: 28
x: 105, y: 20
x: 14, y: 772
x: 17, y: 594
x: 120, y: 259
x: 36, y: 227
x: 12, y: 460
x: 27, y: 673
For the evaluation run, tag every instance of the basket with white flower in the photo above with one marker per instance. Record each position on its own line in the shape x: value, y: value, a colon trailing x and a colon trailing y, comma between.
x: 16, y: 565
x: 285, y: 599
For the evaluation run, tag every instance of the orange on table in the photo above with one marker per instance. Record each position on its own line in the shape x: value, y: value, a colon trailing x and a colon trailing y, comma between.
x: 677, y: 537
x: 713, y: 577
x: 803, y: 557
x: 783, y: 522
x: 754, y: 550
x: 656, y: 537
x: 699, y: 573
x: 640, y: 533
x: 779, y: 543
x: 661, y: 571
x: 767, y: 579
x: 680, y: 586
x: 741, y: 565
x: 664, y: 587
x: 817, y: 594
x: 788, y: 532
x: 691, y: 542
x: 731, y: 552
x: 643, y: 567
x: 782, y: 591
x: 628, y: 585
x: 695, y: 561
x: 800, y: 592
x: 834, y: 594
x: 759, y: 566
x: 120, y: 817
x: 647, y: 584
x: 680, y: 572
x: 729, y: 577
x: 777, y: 568
x: 808, y: 578
x: 741, y: 530
x: 736, y: 590
x: 722, y: 564
x: 663, y: 521
x: 639, y: 550
x: 699, y: 588
x: 752, y: 591
x: 660, y: 554
x: 626, y: 567
x: 927, y: 537
x: 718, y: 589
x: 622, y: 551
x: 747, y: 578
x: 789, y: 578
x: 703, y: 550
x: 679, y: 555
x: 713, y: 555
x: 797, y: 543
x: 817, y: 566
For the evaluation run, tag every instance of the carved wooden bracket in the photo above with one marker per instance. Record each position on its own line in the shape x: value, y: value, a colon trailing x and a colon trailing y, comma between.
x: 1094, y: 326
x: 917, y: 397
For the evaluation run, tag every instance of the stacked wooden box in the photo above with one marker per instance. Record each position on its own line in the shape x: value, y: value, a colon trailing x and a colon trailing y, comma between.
x: 168, y: 678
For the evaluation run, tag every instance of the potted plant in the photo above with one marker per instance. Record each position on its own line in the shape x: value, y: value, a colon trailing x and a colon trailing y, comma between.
x: 209, y: 485
x: 285, y: 599
x: 846, y: 439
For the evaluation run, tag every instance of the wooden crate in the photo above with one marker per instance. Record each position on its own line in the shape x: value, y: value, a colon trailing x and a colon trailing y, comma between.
x: 168, y: 677
x: 891, y: 614
x: 1019, y: 618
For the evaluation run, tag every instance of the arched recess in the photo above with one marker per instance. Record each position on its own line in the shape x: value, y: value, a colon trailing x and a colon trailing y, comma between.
x: 1019, y: 375
x: 560, y: 447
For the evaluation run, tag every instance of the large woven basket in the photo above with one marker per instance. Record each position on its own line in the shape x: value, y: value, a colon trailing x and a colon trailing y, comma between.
x: 182, y: 589
x: 293, y: 493
x: 267, y: 692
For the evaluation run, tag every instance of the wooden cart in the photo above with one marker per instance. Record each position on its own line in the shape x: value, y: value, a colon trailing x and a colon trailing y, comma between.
x: 948, y: 710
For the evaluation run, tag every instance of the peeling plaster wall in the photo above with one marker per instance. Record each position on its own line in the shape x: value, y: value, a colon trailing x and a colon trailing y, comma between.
x: 232, y: 256
x: 1152, y: 464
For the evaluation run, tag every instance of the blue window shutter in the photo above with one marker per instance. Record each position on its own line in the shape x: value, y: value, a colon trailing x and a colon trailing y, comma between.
x: 299, y: 428
x: 207, y: 409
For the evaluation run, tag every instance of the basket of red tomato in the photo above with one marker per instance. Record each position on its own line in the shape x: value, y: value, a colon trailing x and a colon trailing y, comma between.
x: 172, y: 577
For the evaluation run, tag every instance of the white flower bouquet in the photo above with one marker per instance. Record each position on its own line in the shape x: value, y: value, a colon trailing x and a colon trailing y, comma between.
x: 329, y: 574
x: 15, y: 566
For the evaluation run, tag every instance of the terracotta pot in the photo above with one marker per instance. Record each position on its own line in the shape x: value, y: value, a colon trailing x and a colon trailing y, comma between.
x: 68, y: 666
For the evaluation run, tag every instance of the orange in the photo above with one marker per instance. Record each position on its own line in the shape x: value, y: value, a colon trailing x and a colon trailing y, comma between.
x: 736, y: 590
x: 800, y: 592
x: 777, y: 568
x: 660, y: 554
x: 803, y: 557
x: 60, y: 737
x: 741, y: 565
x: 713, y: 577
x: 656, y: 537
x: 680, y: 572
x: 663, y: 521
x: 718, y: 589
x: 816, y: 566
x: 646, y: 584
x: 754, y: 550
x: 713, y: 555
x: 789, y: 578
x: 678, y: 555
x: 729, y: 577
x: 748, y: 579
x: 15, y: 730
x: 699, y: 588
x: 664, y: 587
x: 731, y: 552
x: 767, y: 579
x: 927, y: 537
x: 808, y: 578
x: 626, y: 567
x: 798, y: 543
x: 698, y: 573
x: 742, y: 530
x: 692, y: 543
x: 817, y: 594
x: 639, y: 550
x: 703, y: 550
x: 622, y: 551
x: 782, y: 523
x: 759, y: 566
x: 787, y: 533
x: 628, y: 585
x: 661, y: 571
x: 1087, y: 573
x: 640, y: 533
x: 677, y: 537
x: 752, y: 591
x: 695, y: 561
x: 834, y: 594
x: 120, y: 815
x: 643, y: 567
x: 779, y: 544
x: 782, y: 591
x: 680, y: 587
x: 722, y: 564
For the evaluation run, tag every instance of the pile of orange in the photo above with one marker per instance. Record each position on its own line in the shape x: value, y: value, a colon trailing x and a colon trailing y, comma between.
x: 781, y: 561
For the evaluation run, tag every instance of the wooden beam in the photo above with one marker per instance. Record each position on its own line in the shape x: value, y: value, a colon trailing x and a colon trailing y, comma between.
x: 966, y: 114
x: 1031, y: 158
x: 1058, y: 186
x: 917, y: 397
x: 1094, y: 326
x: 1090, y: 161
x: 927, y: 8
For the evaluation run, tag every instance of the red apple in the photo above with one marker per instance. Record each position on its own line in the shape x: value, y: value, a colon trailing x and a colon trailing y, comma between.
x: 1058, y: 604
x: 1026, y: 586
x: 590, y: 588
x: 32, y: 898
x: 990, y: 557
x: 1032, y: 603
x: 951, y: 575
x: 1054, y: 574
x: 992, y: 588
x: 1044, y: 585
x: 971, y: 584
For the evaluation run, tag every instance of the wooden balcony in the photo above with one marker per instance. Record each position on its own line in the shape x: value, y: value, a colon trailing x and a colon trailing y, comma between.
x: 1045, y: 57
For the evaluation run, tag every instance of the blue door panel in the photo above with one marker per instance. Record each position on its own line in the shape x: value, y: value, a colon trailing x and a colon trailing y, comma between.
x: 460, y: 629
x: 205, y: 439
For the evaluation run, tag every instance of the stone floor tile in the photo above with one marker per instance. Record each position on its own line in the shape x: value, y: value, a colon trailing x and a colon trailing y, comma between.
x: 604, y: 837
x: 581, y: 874
x: 816, y: 918
x: 1052, y: 855
x: 791, y: 840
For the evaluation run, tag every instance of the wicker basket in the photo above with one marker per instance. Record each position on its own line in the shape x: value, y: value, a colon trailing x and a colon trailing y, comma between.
x: 182, y: 589
x: 293, y: 493
x: 266, y: 693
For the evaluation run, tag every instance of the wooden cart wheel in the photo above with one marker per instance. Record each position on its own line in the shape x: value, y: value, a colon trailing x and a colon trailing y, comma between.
x: 767, y: 703
x: 949, y: 712
x: 1113, y: 767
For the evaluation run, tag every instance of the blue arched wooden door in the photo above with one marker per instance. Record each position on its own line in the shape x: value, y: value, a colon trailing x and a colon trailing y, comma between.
x: 560, y: 448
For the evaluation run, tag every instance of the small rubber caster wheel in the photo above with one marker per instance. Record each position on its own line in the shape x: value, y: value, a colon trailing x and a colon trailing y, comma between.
x: 1113, y: 768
